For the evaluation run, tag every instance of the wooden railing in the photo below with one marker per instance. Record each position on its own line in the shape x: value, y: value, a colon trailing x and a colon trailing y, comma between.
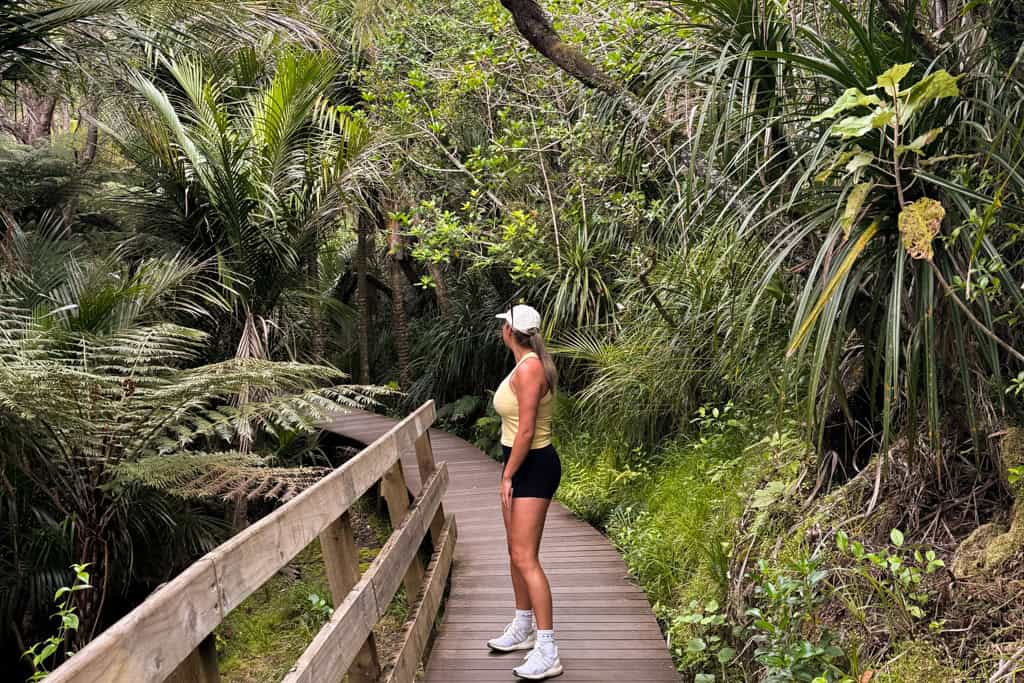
x: 169, y: 636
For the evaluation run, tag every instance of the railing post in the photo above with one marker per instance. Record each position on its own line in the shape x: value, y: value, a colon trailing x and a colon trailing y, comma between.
x: 200, y: 666
x: 341, y: 558
x: 396, y: 493
x: 425, y: 460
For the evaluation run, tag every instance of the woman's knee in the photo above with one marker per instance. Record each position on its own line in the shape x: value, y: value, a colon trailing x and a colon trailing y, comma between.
x: 523, y: 559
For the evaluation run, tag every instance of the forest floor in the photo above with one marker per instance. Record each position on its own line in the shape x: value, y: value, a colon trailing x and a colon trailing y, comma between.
x: 263, y: 637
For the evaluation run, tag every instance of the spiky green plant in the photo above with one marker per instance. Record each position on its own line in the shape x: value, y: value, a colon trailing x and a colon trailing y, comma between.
x: 872, y: 318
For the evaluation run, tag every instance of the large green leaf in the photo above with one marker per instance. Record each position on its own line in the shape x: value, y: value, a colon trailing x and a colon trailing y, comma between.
x: 856, y: 126
x: 920, y: 142
x: 850, y: 99
x: 890, y: 80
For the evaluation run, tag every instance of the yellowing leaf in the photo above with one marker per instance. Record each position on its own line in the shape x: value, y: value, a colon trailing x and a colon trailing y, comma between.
x: 919, y: 143
x: 934, y: 86
x: 851, y: 257
x: 854, y: 202
x: 851, y: 98
x: 890, y: 80
x: 919, y: 223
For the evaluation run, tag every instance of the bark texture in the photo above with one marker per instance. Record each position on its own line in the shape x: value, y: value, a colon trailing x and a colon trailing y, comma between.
x: 396, y: 254
x: 32, y: 118
x: 534, y: 25
x: 364, y: 229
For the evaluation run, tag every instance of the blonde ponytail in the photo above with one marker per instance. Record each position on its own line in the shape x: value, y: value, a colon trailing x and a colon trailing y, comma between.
x: 535, y: 341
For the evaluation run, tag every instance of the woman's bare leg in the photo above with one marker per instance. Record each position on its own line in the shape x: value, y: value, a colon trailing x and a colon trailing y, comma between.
x: 526, y: 525
x: 518, y: 582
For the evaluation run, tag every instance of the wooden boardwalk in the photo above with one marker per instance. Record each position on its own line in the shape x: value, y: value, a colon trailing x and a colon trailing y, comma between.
x: 604, y: 625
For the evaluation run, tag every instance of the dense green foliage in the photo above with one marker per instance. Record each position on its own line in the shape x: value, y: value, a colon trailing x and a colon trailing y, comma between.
x: 778, y: 247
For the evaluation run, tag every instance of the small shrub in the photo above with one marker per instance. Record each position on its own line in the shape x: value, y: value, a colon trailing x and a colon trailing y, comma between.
x: 43, y: 651
x: 317, y: 612
x: 791, y: 645
x: 894, y: 573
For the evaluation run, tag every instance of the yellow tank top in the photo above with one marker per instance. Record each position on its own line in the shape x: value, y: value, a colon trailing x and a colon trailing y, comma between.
x: 507, y: 406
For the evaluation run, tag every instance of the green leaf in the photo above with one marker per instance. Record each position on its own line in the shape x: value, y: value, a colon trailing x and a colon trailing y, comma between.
x: 842, y: 540
x: 919, y: 143
x: 896, y: 536
x: 854, y: 202
x: 70, y: 621
x: 890, y: 80
x: 859, y: 161
x: 850, y: 99
x: 704, y: 678
x: 51, y: 647
x: 726, y: 654
x: 837, y: 161
x: 934, y: 86
x: 696, y: 645
x: 856, y: 126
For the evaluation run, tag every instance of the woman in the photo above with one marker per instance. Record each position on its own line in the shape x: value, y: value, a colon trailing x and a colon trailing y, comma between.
x: 525, y: 400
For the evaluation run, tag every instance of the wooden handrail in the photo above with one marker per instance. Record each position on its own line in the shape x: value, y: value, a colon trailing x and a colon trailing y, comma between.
x: 163, y: 638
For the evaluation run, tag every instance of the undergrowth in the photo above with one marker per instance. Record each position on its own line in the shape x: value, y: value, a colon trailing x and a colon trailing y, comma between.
x: 753, y: 578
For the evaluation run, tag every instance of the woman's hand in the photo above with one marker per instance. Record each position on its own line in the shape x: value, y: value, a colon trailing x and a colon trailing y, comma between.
x: 506, y: 492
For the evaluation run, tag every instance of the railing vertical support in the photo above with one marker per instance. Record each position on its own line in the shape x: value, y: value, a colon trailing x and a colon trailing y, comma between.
x: 396, y: 493
x: 200, y: 666
x: 341, y: 558
x: 425, y: 460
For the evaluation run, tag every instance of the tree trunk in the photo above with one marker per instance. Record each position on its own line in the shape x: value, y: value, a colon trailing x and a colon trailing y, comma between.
x: 91, y: 145
x: 318, y: 341
x: 396, y: 254
x: 440, y: 290
x: 364, y: 227
x: 533, y: 24
x: 35, y: 119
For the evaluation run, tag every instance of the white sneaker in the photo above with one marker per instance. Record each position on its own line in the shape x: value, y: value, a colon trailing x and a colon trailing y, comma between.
x: 514, y: 638
x: 539, y: 666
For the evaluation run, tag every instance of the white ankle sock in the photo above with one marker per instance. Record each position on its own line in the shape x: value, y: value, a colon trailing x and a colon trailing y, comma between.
x: 524, y: 619
x: 546, y: 640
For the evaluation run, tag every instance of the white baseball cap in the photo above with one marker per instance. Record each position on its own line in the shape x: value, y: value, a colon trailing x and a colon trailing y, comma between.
x: 522, y: 318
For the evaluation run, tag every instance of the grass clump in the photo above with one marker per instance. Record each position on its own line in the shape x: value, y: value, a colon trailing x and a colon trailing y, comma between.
x: 919, y: 662
x: 261, y: 639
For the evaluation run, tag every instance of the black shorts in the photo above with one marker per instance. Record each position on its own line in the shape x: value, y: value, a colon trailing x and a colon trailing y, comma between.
x: 539, y: 474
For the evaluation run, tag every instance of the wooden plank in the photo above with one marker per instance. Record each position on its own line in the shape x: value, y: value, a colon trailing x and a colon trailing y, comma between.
x: 396, y: 493
x: 426, y: 466
x: 341, y: 560
x: 138, y: 649
x: 335, y: 646
x: 418, y: 631
x: 593, y: 608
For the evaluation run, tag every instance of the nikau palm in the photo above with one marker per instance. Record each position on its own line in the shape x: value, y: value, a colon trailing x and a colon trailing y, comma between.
x: 254, y: 172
